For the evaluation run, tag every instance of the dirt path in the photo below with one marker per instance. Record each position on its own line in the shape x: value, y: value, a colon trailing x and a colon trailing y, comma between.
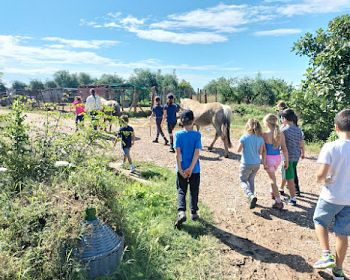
x: 259, y: 244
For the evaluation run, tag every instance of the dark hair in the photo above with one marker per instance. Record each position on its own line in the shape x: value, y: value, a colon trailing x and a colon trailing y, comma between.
x: 157, y: 98
x: 170, y: 96
x: 342, y: 120
x: 289, y: 115
x: 186, y: 117
x: 92, y: 91
x: 125, y: 118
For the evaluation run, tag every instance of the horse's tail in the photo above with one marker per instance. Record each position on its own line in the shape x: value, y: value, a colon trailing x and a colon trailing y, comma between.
x: 227, y: 123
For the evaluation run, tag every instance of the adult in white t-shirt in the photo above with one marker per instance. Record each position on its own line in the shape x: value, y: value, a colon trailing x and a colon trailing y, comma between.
x: 93, y: 106
x: 334, y: 201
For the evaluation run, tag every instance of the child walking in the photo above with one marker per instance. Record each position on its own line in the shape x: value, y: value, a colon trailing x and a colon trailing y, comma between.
x: 252, y: 145
x: 274, y: 142
x: 187, y: 144
x: 334, y: 201
x: 79, y: 110
x: 295, y: 143
x: 170, y: 110
x: 127, y: 137
x: 157, y: 112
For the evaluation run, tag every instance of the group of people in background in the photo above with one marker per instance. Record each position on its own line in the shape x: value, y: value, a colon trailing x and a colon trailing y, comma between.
x: 277, y: 145
x: 281, y: 135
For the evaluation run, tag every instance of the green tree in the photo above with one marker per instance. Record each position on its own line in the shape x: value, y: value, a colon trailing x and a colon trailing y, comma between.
x: 326, y: 88
x: 66, y: 80
x: 107, y: 79
x: 36, y: 86
x: 50, y: 84
x: 85, y: 79
x: 263, y: 92
x: 18, y: 86
x: 185, y: 88
x: 2, y: 86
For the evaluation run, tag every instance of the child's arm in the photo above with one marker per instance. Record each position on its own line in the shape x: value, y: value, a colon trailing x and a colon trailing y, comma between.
x: 263, y: 155
x: 188, y: 171
x: 322, y: 173
x: 302, y: 148
x: 132, y: 138
x: 178, y: 161
x: 284, y: 151
x: 239, y: 148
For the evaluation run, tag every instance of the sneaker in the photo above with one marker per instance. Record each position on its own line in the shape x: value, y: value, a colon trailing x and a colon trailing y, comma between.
x: 292, y: 202
x: 172, y: 150
x: 132, y: 168
x: 337, y: 273
x: 166, y: 142
x: 252, y: 200
x: 194, y: 216
x: 278, y: 205
x: 155, y: 140
x: 325, y: 262
x: 181, y: 218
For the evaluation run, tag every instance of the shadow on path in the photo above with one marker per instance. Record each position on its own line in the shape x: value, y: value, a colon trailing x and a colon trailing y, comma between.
x: 248, y: 248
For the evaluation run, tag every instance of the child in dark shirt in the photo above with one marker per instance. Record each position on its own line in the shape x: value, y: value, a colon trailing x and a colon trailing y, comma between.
x: 127, y: 137
x: 157, y: 112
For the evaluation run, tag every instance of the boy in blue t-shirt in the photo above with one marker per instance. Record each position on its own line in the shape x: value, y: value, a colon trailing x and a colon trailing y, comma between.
x: 157, y: 112
x: 170, y: 110
x: 187, y: 144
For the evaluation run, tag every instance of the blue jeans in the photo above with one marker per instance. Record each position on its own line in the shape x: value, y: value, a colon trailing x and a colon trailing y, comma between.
x: 247, y: 173
x: 182, y: 186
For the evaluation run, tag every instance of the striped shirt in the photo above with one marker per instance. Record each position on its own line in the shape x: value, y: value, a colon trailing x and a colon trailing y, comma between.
x: 293, y: 136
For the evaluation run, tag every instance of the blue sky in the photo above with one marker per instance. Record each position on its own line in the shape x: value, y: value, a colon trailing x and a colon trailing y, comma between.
x: 201, y: 39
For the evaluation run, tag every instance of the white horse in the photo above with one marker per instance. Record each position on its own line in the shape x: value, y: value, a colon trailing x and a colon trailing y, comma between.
x: 215, y: 114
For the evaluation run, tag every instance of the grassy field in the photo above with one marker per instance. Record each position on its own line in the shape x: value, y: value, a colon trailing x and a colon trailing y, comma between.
x: 44, y: 208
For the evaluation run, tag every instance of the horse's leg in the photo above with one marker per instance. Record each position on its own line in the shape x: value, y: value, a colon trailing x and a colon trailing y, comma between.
x: 224, y: 139
x: 212, y: 144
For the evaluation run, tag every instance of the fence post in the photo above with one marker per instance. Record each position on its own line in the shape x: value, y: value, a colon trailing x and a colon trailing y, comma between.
x: 205, y: 97
x: 216, y: 95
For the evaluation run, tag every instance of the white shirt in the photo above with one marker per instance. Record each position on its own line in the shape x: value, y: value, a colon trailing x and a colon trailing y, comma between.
x: 337, y: 188
x: 93, y: 103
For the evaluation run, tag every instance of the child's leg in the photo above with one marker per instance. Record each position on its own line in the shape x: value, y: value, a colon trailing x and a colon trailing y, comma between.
x: 291, y: 187
x: 129, y: 159
x: 244, y: 173
x: 181, y: 185
x: 290, y: 178
x: 341, y: 246
x: 194, y: 191
x: 322, y: 236
x: 296, y: 179
x: 274, y: 188
x: 251, y: 178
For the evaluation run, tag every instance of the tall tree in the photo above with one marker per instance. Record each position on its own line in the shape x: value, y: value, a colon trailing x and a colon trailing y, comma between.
x: 108, y: 79
x: 326, y: 88
x: 50, y: 84
x: 36, y: 86
x: 2, y: 85
x: 18, y: 86
x: 66, y: 80
x: 185, y: 88
x: 85, y: 79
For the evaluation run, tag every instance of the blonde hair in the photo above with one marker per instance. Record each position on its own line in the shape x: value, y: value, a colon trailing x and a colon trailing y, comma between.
x: 253, y: 127
x: 272, y: 121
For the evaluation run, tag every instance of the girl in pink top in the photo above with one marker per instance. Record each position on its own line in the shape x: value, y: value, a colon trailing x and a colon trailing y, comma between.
x: 79, y: 110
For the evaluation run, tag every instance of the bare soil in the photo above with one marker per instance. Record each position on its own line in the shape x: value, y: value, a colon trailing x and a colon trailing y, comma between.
x: 262, y: 243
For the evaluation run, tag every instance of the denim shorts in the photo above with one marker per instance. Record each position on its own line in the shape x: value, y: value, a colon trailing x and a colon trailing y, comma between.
x: 126, y: 151
x: 325, y: 212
